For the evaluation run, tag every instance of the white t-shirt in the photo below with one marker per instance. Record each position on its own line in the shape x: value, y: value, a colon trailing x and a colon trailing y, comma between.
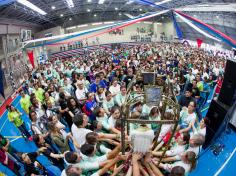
x: 80, y: 94
x: 176, y: 150
x: 111, y: 122
x: 196, y: 150
x: 187, y: 118
x: 165, y: 128
x: 168, y: 167
x: 114, y: 90
x: 94, y: 158
x: 79, y: 134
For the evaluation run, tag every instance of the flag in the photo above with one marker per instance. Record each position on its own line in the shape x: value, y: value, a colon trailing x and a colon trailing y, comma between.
x: 31, y: 57
x: 1, y: 81
x: 199, y: 43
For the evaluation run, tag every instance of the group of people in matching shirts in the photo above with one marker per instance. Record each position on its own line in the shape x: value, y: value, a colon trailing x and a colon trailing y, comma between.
x: 74, y: 105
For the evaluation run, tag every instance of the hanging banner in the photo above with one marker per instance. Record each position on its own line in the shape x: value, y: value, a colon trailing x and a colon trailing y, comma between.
x: 177, y: 28
x: 195, y: 27
x: 210, y: 29
x: 1, y: 81
x: 31, y: 57
x: 199, y: 43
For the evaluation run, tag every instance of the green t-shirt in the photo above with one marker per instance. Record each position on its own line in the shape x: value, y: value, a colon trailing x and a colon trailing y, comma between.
x: 200, y: 86
x: 39, y: 94
x: 25, y: 103
x: 15, y: 117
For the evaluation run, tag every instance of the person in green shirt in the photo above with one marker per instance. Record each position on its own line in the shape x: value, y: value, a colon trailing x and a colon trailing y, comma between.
x: 14, y: 116
x: 25, y: 101
x: 39, y: 93
x: 199, y: 83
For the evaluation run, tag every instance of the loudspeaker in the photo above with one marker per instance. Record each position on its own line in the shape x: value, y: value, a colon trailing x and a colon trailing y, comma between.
x: 214, y: 118
x: 227, y: 92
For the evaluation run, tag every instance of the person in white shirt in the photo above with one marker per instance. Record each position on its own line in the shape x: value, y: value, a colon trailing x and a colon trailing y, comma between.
x: 108, y: 103
x: 120, y: 98
x: 188, y: 117
x: 188, y: 162
x: 115, y: 87
x: 78, y: 128
x: 79, y: 166
x: 115, y: 114
x: 182, y: 140
x: 81, y: 92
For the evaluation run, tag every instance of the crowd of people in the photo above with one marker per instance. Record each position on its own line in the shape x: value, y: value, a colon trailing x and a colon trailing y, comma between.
x: 74, y: 105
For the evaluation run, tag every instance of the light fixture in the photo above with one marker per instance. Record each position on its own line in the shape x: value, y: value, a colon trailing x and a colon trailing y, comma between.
x: 70, y: 3
x: 109, y: 22
x: 83, y: 25
x: 162, y: 2
x: 70, y: 19
x: 53, y: 7
x: 88, y: 10
x: 162, y: 17
x: 116, y: 8
x: 147, y: 22
x: 130, y: 16
x: 32, y: 6
x: 101, y: 1
x: 61, y: 15
x: 217, y: 16
x: 89, y: 0
x: 120, y: 14
x: 140, y: 10
x: 95, y: 24
x: 69, y: 28
x: 95, y: 15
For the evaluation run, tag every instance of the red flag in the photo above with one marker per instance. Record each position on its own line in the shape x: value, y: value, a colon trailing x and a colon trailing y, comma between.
x: 199, y: 43
x: 31, y: 57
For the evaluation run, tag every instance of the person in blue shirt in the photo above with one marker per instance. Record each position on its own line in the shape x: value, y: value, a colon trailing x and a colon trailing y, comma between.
x: 98, y: 82
x: 103, y: 82
x: 89, y: 106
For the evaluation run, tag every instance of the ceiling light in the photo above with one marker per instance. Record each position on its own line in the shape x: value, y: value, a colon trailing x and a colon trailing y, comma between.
x: 32, y: 6
x: 162, y: 2
x: 61, y: 15
x: 116, y: 8
x: 69, y: 28
x: 70, y: 19
x: 88, y: 10
x: 120, y: 14
x: 70, y: 3
x: 53, y: 7
x: 101, y: 1
x: 95, y: 15
x: 217, y: 16
x: 162, y: 17
x: 130, y: 16
x: 95, y: 24
x: 140, y: 10
x: 147, y: 22
x: 83, y: 25
x: 89, y: 0
x: 109, y: 22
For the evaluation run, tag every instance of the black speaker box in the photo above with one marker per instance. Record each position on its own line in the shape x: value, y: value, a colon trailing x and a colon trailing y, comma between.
x: 227, y: 92
x: 215, y: 117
